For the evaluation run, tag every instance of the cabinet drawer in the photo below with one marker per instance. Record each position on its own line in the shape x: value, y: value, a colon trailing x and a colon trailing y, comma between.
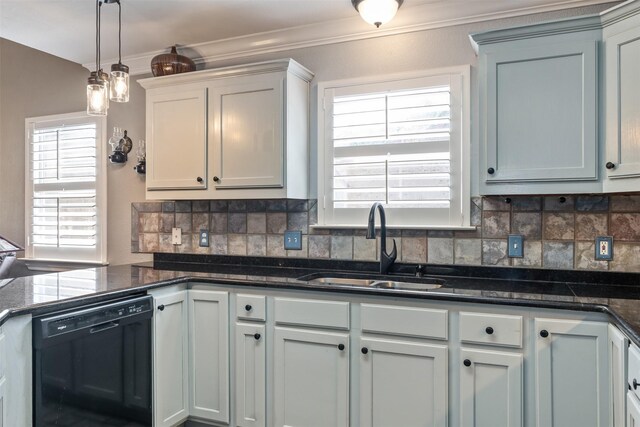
x: 409, y: 321
x: 491, y: 329
x: 634, y: 369
x: 303, y: 312
x: 251, y: 307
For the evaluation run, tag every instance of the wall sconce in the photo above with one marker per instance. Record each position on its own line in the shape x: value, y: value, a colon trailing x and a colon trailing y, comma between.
x: 121, y: 145
x: 141, y: 167
x: 377, y: 12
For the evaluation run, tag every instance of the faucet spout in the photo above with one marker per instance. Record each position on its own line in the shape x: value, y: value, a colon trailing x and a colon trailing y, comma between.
x: 386, y: 259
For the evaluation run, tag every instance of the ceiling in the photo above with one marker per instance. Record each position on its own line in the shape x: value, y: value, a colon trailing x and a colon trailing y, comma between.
x: 67, y: 28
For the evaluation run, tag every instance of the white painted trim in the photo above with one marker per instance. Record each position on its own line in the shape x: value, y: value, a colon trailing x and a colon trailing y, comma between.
x: 418, y: 18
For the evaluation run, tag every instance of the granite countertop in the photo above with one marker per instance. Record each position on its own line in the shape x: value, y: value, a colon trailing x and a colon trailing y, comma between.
x: 616, y: 294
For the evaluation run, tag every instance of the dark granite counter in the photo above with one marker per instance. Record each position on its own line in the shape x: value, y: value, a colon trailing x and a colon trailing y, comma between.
x: 615, y: 294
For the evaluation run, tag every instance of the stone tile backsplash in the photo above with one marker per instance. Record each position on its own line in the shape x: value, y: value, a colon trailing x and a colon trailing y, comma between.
x: 559, y: 232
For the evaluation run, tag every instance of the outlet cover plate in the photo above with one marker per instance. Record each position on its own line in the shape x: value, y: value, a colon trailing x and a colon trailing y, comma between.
x: 176, y: 236
x: 515, y: 246
x: 203, y: 238
x: 604, y: 248
x: 293, y: 240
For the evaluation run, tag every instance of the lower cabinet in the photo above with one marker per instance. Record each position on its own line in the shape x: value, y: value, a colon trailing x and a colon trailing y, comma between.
x: 209, y: 355
x: 402, y: 383
x: 491, y: 388
x: 618, y: 344
x: 311, y: 378
x: 250, y: 375
x: 170, y: 359
x: 571, y: 373
x: 633, y: 410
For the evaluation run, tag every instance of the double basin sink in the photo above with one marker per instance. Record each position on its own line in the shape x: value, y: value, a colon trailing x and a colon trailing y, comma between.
x: 376, y: 282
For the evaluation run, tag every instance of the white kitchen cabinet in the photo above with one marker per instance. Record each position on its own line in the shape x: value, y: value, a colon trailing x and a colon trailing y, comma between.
x: 177, y: 139
x: 622, y: 118
x: 618, y: 344
x: 246, y: 130
x: 572, y: 375
x: 402, y: 383
x: 491, y: 388
x: 250, y: 375
x: 539, y: 108
x: 209, y: 355
x: 311, y: 378
x: 170, y: 359
x: 633, y: 410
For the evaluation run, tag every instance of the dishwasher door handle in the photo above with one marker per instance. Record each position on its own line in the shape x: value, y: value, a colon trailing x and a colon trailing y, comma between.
x: 104, y: 327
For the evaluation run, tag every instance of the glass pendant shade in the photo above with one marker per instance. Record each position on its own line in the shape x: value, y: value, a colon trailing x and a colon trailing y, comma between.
x: 97, y: 94
x: 377, y: 12
x: 119, y: 83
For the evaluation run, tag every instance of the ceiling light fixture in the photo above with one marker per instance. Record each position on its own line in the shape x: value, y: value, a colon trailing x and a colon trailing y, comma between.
x: 119, y: 71
x: 98, y: 83
x: 377, y: 12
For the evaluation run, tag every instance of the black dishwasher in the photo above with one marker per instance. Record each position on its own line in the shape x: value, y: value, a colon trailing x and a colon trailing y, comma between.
x: 92, y: 367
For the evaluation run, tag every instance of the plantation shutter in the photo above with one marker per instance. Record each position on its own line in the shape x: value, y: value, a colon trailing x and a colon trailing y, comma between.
x: 393, y: 146
x: 65, y: 181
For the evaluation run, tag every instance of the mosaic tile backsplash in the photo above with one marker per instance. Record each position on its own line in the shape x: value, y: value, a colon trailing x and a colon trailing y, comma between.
x: 558, y: 232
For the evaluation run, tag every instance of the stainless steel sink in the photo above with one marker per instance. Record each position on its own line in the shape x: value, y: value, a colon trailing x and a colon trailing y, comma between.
x: 421, y: 285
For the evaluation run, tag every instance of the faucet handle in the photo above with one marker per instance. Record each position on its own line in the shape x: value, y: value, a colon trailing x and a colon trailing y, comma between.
x: 394, y: 252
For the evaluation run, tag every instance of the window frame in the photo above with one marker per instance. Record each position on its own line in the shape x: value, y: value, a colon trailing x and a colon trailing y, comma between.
x: 460, y: 148
x: 81, y: 255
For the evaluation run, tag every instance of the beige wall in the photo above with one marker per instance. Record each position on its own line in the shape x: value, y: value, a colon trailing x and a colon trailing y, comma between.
x: 33, y: 83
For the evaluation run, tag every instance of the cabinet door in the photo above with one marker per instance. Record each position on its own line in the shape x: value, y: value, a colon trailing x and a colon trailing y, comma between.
x: 3, y: 391
x: 247, y: 132
x: 633, y: 410
x: 311, y: 378
x: 536, y: 101
x: 170, y: 360
x: 622, y: 110
x: 618, y: 344
x: 491, y: 389
x: 571, y: 370
x: 402, y: 383
x: 250, y: 377
x: 209, y: 355
x: 177, y: 134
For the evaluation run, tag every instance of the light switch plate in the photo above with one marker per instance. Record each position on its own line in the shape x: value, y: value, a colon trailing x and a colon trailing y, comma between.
x: 176, y: 236
x: 293, y: 240
x: 604, y: 248
x: 203, y: 238
x: 515, y: 246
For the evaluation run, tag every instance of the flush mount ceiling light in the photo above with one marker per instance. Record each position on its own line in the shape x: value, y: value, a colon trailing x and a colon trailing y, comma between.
x: 101, y: 86
x: 377, y: 12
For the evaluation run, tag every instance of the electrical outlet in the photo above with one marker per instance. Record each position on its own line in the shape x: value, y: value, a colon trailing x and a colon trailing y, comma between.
x: 293, y: 240
x: 203, y: 239
x: 604, y: 248
x: 176, y: 236
x: 515, y: 245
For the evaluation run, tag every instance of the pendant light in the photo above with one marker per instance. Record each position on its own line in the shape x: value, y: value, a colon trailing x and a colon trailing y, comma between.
x: 377, y: 12
x: 119, y: 71
x: 98, y: 82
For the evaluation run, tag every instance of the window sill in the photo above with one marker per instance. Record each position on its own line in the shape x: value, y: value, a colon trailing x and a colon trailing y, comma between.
x: 394, y: 227
x: 54, y: 266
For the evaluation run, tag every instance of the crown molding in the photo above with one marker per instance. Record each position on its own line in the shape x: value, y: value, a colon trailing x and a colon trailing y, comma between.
x: 417, y: 18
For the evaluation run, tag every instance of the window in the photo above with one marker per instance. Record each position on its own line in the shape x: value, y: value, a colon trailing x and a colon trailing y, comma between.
x: 400, y: 141
x: 66, y: 188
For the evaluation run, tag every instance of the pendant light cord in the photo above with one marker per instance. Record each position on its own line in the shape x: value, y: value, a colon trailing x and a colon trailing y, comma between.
x: 98, y: 10
x: 119, y: 33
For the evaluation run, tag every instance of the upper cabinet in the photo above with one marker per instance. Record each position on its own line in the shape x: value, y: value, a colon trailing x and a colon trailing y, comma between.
x: 622, y: 118
x: 539, y: 108
x: 230, y: 133
x: 558, y: 105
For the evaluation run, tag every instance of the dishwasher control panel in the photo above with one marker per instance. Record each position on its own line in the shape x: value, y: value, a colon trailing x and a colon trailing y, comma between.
x: 68, y: 322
